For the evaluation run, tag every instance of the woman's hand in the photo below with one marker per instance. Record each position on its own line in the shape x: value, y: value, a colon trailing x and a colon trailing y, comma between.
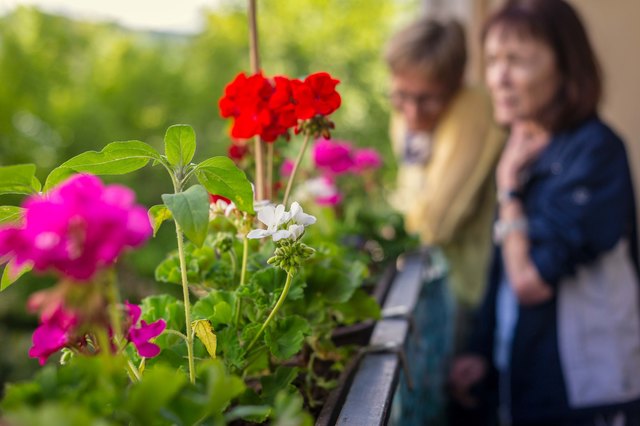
x: 526, y: 142
x: 466, y: 371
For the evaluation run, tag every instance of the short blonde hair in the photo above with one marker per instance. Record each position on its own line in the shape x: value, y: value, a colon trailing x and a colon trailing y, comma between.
x: 436, y: 48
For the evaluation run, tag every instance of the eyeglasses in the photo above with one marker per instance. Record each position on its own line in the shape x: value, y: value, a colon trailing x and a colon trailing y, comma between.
x: 422, y: 101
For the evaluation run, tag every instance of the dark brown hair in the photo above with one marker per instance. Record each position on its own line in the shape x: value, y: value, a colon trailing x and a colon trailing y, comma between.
x: 436, y: 48
x: 556, y: 23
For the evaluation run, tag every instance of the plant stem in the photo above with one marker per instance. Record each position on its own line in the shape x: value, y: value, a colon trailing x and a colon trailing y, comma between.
x: 176, y: 333
x: 243, y: 273
x: 295, y: 167
x: 269, y: 171
x: 187, y: 302
x: 257, y: 144
x: 134, y: 373
x: 114, y: 311
x: 232, y: 260
x: 254, y: 56
x: 254, y: 59
x: 275, y: 309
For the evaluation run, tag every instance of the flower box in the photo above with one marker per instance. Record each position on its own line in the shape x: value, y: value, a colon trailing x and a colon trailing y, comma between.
x: 368, y: 384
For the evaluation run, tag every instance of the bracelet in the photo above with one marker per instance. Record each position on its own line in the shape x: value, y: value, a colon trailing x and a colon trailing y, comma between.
x: 506, y: 195
x: 502, y: 228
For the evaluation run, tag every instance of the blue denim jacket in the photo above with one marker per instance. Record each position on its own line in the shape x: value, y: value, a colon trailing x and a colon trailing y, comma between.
x: 579, y: 203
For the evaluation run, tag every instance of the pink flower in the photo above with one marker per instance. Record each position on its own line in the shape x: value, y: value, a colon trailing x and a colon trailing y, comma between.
x: 334, y: 156
x: 77, y: 228
x: 53, y: 334
x: 140, y: 334
x: 366, y: 159
x: 286, y: 168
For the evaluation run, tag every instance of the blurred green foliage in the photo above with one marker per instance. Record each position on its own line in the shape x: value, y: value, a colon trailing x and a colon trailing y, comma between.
x: 71, y: 86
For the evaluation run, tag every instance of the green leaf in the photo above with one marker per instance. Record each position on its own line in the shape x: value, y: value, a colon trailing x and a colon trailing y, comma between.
x: 168, y: 271
x: 336, y: 280
x: 281, y: 379
x: 180, y: 144
x: 217, y: 307
x: 166, y: 307
x: 361, y: 306
x: 190, y: 209
x: 252, y: 413
x: 222, y: 177
x: 158, y: 214
x: 148, y: 397
x: 229, y: 349
x: 11, y: 274
x: 116, y: 158
x: 18, y: 179
x: 289, y: 410
x: 286, y: 337
x: 9, y: 214
x: 220, y: 388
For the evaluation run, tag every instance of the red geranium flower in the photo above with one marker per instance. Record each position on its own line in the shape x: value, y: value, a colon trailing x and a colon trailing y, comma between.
x: 259, y: 107
x: 237, y: 150
x: 316, y: 95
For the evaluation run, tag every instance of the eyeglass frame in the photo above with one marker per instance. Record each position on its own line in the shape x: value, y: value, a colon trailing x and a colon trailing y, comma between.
x: 423, y: 101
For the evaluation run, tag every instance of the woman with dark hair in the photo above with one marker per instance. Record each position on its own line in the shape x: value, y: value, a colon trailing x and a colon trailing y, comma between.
x: 560, y: 324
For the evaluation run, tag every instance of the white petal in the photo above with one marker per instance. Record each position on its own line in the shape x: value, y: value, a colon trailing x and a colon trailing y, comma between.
x: 301, y: 217
x: 267, y: 216
x: 280, y: 215
x: 281, y: 234
x: 296, y: 231
x: 230, y: 208
x: 259, y: 233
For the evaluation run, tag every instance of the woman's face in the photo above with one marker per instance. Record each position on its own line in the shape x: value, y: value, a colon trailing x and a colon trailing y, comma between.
x: 521, y: 73
x: 420, y: 100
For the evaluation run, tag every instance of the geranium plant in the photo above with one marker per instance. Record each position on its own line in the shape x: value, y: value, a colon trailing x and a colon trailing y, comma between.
x: 254, y: 294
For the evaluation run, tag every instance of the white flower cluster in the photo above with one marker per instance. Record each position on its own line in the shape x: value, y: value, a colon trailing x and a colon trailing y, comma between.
x: 282, y: 224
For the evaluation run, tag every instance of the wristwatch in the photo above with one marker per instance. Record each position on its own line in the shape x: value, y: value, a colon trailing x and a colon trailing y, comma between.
x: 505, y: 195
x: 502, y: 228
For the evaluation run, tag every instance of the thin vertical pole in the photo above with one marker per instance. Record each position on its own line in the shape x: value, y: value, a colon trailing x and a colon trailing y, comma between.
x: 254, y: 59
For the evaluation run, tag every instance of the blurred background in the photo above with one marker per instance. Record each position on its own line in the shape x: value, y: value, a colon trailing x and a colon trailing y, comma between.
x: 76, y: 75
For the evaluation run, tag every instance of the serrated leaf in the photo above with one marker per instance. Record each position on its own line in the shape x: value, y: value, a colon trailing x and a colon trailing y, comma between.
x: 221, y: 176
x: 289, y: 410
x: 10, y: 214
x: 18, y: 179
x: 168, y: 271
x: 337, y: 280
x: 115, y: 159
x: 277, y: 381
x: 180, y: 144
x: 147, y: 398
x: 158, y: 214
x: 204, y: 331
x: 12, y: 273
x: 217, y: 307
x: 220, y: 387
x: 251, y: 413
x: 286, y: 336
x: 361, y: 306
x: 190, y: 209
x: 166, y: 307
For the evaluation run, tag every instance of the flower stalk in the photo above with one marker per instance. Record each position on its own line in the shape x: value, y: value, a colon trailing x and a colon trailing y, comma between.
x: 187, y: 302
x: 307, y: 136
x: 274, y: 311
x: 243, y: 274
